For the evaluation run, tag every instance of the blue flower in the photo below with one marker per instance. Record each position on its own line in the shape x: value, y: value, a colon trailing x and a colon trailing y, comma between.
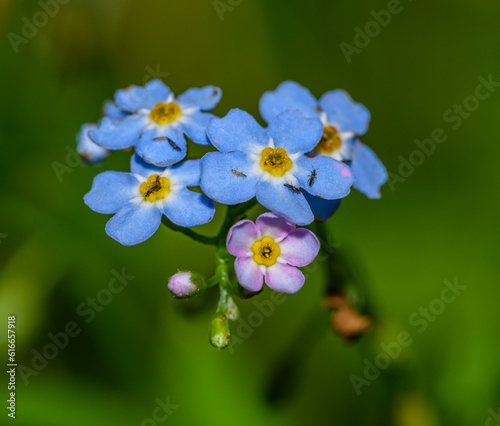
x: 343, y: 121
x: 322, y: 209
x: 138, y: 199
x: 111, y: 110
x: 91, y: 153
x: 270, y: 164
x: 155, y: 122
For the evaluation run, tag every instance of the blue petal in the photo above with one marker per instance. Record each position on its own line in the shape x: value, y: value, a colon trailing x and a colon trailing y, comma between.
x: 369, y: 172
x: 141, y: 167
x: 136, y: 97
x: 111, y: 110
x: 90, y: 152
x: 321, y: 208
x: 285, y: 201
x: 288, y: 96
x: 324, y: 177
x: 111, y: 191
x: 221, y: 177
x: 237, y: 131
x: 344, y: 113
x: 186, y: 173
x: 205, y: 98
x: 162, y: 145
x: 187, y: 208
x: 294, y: 132
x: 195, y: 126
x: 116, y: 134
x: 134, y: 223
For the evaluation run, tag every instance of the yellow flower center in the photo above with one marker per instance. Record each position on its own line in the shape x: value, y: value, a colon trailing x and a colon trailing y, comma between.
x: 164, y: 113
x: 275, y: 161
x: 155, y: 188
x: 330, y: 141
x: 265, y: 251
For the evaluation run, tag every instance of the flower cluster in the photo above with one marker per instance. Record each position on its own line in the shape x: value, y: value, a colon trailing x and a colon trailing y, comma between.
x: 155, y: 123
x: 343, y: 122
x: 271, y: 164
x: 299, y: 168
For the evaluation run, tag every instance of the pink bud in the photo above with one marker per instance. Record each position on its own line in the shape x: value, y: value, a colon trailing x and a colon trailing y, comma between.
x: 181, y: 285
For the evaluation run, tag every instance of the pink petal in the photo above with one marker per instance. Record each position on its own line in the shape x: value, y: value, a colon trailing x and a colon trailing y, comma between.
x: 284, y: 278
x: 181, y: 285
x: 300, y: 247
x: 248, y: 273
x: 241, y: 236
x: 274, y: 225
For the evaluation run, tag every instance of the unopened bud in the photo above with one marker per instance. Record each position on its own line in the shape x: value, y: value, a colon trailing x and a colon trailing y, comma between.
x: 186, y: 284
x: 220, y: 333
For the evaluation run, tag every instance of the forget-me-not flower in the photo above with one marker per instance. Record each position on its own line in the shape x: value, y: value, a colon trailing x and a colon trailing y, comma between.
x: 270, y: 164
x: 322, y: 209
x: 140, y: 198
x: 343, y: 121
x: 112, y: 110
x: 271, y: 248
x: 156, y: 122
x: 91, y: 153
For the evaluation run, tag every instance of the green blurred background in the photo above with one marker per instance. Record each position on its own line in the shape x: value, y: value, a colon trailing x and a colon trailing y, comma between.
x: 440, y: 223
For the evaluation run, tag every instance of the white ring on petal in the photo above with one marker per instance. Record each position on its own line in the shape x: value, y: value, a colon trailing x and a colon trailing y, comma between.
x: 343, y: 152
x: 288, y: 177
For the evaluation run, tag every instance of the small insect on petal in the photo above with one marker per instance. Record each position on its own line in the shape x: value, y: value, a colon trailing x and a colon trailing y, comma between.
x: 236, y: 172
x: 173, y: 144
x: 312, y: 178
x: 293, y: 188
x: 155, y: 187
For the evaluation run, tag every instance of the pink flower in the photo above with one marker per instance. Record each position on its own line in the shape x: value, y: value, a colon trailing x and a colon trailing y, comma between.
x: 271, y: 248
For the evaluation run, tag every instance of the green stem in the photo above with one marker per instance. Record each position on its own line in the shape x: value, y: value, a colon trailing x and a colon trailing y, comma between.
x: 233, y: 213
x: 223, y: 301
x: 239, y: 209
x: 222, y: 256
x: 187, y: 231
x: 221, y: 269
x: 338, y: 273
x: 400, y: 377
x: 341, y: 278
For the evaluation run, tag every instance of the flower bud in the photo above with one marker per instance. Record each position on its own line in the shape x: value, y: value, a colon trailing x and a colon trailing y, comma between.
x: 220, y: 333
x: 186, y: 284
